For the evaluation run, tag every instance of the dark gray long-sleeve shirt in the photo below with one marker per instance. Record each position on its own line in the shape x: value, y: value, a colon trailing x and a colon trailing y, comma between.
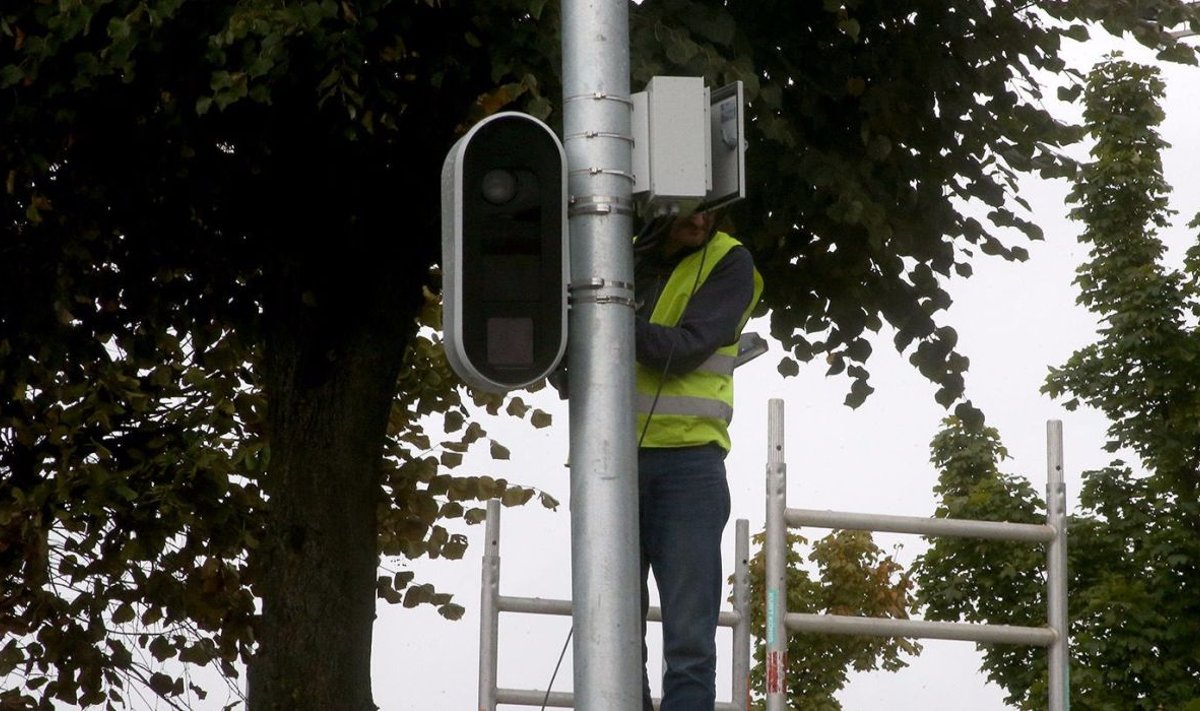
x: 709, y: 321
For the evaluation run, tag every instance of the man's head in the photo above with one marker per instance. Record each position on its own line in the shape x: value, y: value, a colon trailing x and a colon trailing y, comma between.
x: 690, y: 232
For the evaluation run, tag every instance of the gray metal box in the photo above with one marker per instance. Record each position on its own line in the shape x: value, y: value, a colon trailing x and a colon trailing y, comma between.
x: 671, y: 133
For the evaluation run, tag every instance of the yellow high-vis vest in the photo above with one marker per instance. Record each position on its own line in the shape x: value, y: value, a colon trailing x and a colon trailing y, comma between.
x: 694, y: 408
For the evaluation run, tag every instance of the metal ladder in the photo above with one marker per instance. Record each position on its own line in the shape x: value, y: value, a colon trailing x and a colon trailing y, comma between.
x: 493, y: 603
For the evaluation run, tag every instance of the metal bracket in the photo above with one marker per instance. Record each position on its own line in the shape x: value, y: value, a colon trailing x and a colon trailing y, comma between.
x: 604, y: 171
x: 599, y: 205
x: 585, y: 291
x: 598, y: 134
x: 599, y: 96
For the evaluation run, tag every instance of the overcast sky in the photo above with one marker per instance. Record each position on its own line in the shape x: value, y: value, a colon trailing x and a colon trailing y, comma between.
x: 1013, y: 321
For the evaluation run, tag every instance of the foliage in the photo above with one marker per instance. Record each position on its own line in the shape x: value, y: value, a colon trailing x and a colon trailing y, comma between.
x: 872, y: 124
x: 420, y: 495
x: 130, y: 513
x: 1134, y: 548
x: 855, y: 578
x: 1000, y: 582
x: 173, y: 173
x: 1138, y: 643
x: 217, y: 222
x: 133, y: 514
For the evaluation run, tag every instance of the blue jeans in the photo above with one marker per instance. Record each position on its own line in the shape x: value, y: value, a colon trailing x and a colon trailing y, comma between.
x: 683, y: 503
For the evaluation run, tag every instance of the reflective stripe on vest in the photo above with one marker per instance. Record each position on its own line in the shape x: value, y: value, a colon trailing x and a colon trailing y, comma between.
x: 719, y: 363
x: 682, y: 405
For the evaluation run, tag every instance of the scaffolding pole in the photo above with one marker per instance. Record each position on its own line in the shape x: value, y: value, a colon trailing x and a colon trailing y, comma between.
x: 776, y: 563
x: 1054, y: 636
x: 493, y: 603
x: 1056, y: 573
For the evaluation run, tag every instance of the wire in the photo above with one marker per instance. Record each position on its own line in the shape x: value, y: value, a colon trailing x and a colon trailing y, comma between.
x: 653, y: 234
x: 563, y: 653
x: 662, y: 378
x: 650, y: 236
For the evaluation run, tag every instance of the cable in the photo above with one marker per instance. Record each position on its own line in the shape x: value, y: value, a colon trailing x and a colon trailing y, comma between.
x: 652, y: 237
x: 563, y: 653
x: 662, y: 378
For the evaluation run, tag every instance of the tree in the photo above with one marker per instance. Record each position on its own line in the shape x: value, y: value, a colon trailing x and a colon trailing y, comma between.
x: 218, y: 219
x: 205, y: 326
x: 1134, y: 544
x: 855, y: 578
x: 961, y: 579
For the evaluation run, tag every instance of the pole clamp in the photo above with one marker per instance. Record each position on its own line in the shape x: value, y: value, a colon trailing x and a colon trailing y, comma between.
x: 598, y: 134
x: 599, y: 205
x: 587, y: 291
x: 599, y: 96
x: 605, y: 171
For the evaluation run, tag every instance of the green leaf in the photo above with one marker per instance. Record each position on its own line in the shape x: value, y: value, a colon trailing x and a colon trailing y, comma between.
x: 10, y: 75
x: 452, y: 612
x: 418, y: 594
x: 162, y: 684
x: 517, y: 407
x: 514, y: 496
x: 851, y: 27
x: 124, y: 613
x: 199, y: 653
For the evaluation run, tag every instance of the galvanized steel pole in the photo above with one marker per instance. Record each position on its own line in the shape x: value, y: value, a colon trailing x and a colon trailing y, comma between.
x: 604, y: 542
x: 776, y: 560
x: 1056, y: 573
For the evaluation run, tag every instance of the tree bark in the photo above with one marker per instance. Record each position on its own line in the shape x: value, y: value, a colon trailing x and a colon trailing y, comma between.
x: 334, y: 346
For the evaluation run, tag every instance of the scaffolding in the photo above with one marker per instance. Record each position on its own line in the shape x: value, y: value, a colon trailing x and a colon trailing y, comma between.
x: 780, y: 622
x: 493, y: 603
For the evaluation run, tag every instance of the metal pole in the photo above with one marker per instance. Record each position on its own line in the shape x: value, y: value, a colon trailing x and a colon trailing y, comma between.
x: 489, y: 609
x: 604, y: 543
x: 776, y: 560
x: 990, y: 530
x: 919, y: 629
x: 741, y: 606
x: 1056, y: 575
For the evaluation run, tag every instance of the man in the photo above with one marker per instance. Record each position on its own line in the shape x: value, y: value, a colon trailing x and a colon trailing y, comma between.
x: 695, y: 289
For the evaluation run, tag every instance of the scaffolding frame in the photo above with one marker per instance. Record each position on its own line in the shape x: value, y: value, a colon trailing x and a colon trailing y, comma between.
x: 780, y: 622
x: 493, y: 603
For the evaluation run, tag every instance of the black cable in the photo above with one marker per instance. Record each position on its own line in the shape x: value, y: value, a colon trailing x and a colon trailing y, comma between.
x: 561, y: 654
x: 662, y: 378
x: 650, y: 236
x: 653, y: 234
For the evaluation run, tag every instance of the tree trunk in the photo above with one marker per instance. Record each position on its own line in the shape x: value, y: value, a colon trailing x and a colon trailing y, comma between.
x: 334, y: 345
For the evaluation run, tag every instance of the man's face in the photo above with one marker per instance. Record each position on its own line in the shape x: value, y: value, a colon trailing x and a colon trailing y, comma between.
x: 689, y: 232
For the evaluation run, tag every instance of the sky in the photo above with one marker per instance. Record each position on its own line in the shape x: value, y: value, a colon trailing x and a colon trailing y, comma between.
x: 1013, y: 321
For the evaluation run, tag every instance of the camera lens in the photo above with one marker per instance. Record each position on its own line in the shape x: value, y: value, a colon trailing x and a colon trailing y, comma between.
x: 499, y: 186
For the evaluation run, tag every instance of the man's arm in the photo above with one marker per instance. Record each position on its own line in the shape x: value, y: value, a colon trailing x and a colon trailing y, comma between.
x: 710, y: 320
